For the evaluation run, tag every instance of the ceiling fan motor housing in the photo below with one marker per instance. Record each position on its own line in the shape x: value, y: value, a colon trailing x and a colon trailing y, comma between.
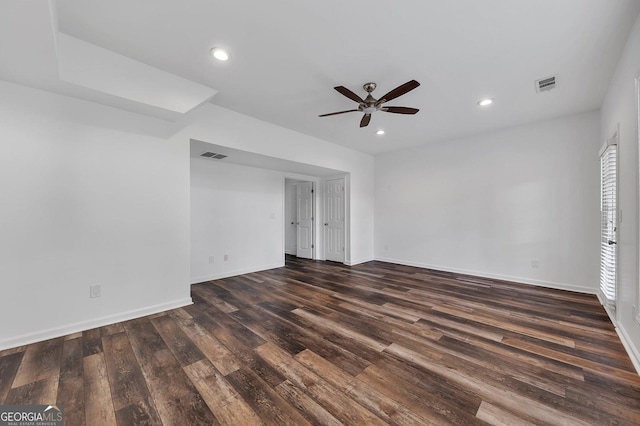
x: 369, y: 87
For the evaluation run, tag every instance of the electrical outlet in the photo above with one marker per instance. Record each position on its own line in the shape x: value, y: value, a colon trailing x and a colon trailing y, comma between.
x: 212, y: 259
x: 226, y: 257
x: 535, y: 263
x: 94, y: 291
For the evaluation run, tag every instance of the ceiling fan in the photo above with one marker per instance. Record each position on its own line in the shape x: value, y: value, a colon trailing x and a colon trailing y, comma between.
x: 370, y: 104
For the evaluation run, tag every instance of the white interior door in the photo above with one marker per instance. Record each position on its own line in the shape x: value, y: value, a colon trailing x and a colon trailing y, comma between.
x: 305, y: 220
x: 334, y: 220
x: 290, y: 217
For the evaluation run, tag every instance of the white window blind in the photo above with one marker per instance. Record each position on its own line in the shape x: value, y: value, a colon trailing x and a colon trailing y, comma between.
x: 608, y: 210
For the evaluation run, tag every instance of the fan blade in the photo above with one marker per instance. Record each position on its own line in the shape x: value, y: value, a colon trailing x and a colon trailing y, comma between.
x: 339, y: 112
x: 365, y: 120
x: 400, y: 110
x: 399, y: 91
x: 349, y: 94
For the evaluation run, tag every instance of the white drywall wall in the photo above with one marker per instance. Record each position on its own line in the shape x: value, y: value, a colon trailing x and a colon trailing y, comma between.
x: 235, y: 211
x: 491, y: 204
x: 621, y: 107
x: 84, y: 205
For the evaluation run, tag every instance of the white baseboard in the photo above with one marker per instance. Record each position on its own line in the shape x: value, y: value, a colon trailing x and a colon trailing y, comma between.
x: 607, y: 308
x: 52, y: 333
x: 541, y: 283
x: 291, y: 252
x: 227, y: 274
x: 631, y: 349
x: 357, y: 262
x: 629, y: 346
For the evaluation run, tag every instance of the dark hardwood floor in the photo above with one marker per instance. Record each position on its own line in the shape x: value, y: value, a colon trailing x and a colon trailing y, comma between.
x: 322, y: 343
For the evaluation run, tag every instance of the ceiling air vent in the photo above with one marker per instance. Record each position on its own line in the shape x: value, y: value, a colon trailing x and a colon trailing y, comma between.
x: 546, y: 84
x: 213, y: 155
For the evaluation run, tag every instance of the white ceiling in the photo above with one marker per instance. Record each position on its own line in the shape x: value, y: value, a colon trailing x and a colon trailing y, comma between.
x: 287, y: 56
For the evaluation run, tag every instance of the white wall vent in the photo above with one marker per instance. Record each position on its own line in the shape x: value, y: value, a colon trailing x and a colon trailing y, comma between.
x: 546, y: 84
x: 213, y: 155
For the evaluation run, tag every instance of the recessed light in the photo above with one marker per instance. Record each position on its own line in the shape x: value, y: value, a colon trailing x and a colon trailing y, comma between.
x: 485, y: 102
x: 380, y: 132
x: 220, y: 54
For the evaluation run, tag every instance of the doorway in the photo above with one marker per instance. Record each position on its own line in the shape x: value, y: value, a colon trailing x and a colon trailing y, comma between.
x: 316, y: 212
x: 299, y: 218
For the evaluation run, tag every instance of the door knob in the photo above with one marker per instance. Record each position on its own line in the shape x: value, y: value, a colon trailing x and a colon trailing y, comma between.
x: 326, y: 224
x: 611, y: 242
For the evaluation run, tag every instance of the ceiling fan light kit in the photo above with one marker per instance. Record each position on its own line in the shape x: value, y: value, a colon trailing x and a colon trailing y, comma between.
x: 369, y: 105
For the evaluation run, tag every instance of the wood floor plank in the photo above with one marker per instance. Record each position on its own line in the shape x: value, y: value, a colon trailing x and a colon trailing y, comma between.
x: 9, y: 365
x: 264, y: 400
x: 223, y: 400
x: 11, y: 351
x: 506, y: 325
x: 432, y: 403
x: 183, y: 348
x: 499, y: 417
x: 309, y: 408
x: 131, y: 398
x: 587, y: 364
x: 110, y: 329
x: 41, y: 361
x: 342, y: 407
x: 97, y: 393
x: 441, y: 392
x: 92, y: 342
x: 241, y: 352
x: 343, y: 330
x: 43, y: 391
x: 373, y: 400
x: 221, y: 357
x: 341, y: 356
x: 444, y: 322
x: 71, y: 385
x: 522, y: 372
x: 263, y: 325
x: 325, y: 343
x: 176, y: 398
x: 226, y: 324
x: 73, y: 336
x: 506, y: 398
x: 519, y: 355
x: 210, y: 295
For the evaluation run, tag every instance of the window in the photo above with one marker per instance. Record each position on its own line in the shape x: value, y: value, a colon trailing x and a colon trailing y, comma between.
x: 608, y: 223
